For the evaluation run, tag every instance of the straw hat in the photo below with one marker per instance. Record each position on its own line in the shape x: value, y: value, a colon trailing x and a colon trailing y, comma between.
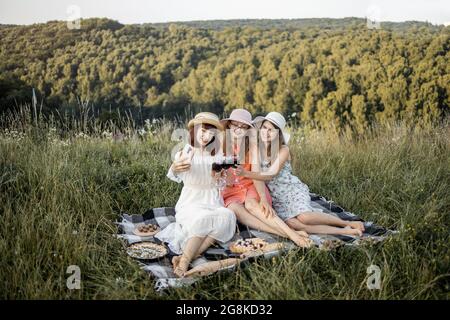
x: 277, y: 119
x: 239, y: 115
x: 206, y: 117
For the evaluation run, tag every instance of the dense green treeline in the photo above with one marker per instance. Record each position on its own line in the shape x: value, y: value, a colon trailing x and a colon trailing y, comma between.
x: 335, y: 72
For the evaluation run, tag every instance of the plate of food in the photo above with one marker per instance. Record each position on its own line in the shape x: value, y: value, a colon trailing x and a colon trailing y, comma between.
x: 244, y: 245
x: 146, y: 230
x: 147, y: 250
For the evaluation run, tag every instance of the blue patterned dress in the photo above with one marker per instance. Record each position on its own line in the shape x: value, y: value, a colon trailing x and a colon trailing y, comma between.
x: 290, y: 196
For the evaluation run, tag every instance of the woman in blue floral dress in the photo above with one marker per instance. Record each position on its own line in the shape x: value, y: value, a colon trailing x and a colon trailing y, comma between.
x: 290, y: 196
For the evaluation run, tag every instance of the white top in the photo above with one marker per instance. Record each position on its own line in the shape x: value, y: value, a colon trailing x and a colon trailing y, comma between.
x: 199, y: 186
x: 200, y: 210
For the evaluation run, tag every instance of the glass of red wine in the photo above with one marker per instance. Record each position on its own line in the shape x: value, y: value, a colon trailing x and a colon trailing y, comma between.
x: 222, y: 167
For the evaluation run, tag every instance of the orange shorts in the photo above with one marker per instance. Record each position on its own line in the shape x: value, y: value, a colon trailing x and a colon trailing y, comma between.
x: 238, y: 194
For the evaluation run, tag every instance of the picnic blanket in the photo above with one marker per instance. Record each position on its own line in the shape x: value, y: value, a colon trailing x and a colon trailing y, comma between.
x: 162, y: 269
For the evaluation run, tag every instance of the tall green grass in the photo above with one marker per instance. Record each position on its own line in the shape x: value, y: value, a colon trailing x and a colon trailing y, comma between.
x: 61, y: 191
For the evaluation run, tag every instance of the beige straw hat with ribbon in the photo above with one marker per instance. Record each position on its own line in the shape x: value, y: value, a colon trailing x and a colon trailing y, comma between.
x: 206, y: 117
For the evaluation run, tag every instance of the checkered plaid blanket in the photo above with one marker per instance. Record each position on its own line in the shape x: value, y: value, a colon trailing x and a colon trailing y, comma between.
x: 162, y: 270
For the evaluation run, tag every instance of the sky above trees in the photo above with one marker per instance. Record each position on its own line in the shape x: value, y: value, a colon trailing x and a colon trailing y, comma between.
x: 141, y: 11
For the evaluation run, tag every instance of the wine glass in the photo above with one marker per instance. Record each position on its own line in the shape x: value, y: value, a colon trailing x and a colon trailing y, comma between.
x: 235, y: 165
x: 231, y: 180
x: 221, y: 180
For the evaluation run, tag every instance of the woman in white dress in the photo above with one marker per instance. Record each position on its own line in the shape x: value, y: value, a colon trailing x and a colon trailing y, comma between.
x: 201, y: 218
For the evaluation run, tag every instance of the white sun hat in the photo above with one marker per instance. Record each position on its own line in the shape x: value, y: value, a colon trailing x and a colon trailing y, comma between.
x: 277, y: 119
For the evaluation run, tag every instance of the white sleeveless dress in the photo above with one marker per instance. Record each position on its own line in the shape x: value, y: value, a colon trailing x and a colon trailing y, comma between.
x: 200, y: 210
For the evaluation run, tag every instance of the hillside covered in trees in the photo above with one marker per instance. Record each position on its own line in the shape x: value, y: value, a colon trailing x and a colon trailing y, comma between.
x: 326, y: 71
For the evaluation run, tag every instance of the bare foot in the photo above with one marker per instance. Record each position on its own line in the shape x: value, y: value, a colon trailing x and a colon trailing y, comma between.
x: 302, y: 233
x: 353, y: 232
x: 175, y: 261
x: 356, y: 225
x: 182, y: 266
x: 302, y: 241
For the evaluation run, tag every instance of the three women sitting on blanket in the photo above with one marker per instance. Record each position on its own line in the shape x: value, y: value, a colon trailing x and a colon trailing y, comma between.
x: 248, y: 197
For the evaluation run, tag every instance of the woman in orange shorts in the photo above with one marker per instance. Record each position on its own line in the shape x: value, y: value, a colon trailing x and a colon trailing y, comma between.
x: 250, y: 199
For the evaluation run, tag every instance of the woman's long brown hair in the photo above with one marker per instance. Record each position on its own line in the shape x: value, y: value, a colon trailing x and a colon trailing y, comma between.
x: 281, y: 141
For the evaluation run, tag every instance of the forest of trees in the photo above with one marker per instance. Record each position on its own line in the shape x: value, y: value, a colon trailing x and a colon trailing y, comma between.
x: 321, y: 71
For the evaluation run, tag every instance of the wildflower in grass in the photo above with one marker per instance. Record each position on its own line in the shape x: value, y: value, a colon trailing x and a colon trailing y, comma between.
x: 14, y: 135
x: 142, y: 132
x: 81, y: 135
x: 107, y: 134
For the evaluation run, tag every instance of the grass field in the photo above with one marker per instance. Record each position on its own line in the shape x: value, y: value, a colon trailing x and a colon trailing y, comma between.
x: 61, y: 191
